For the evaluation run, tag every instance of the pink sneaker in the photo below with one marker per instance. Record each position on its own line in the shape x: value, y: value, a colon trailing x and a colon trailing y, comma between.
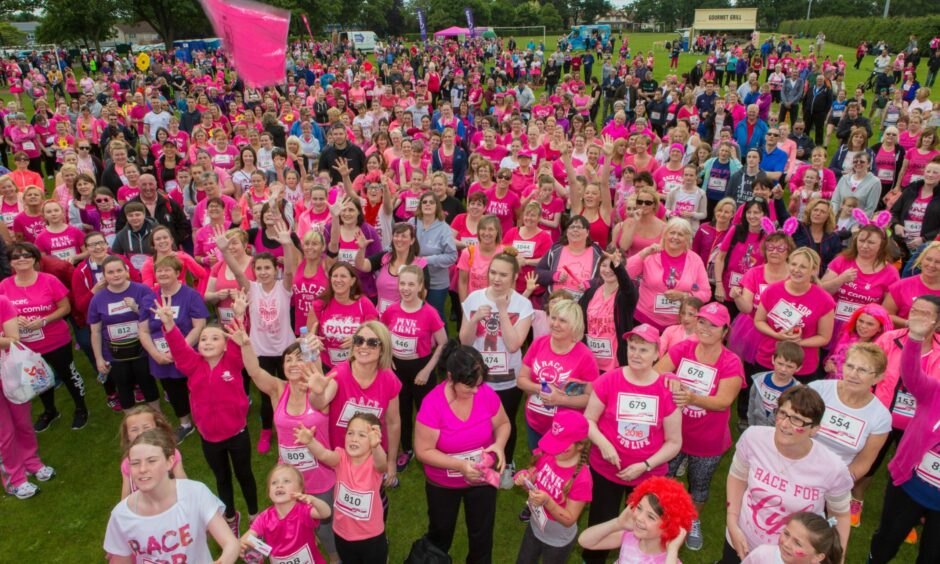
x: 234, y: 523
x: 264, y: 441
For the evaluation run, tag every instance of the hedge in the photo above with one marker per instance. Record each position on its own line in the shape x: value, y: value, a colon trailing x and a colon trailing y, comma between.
x: 852, y: 31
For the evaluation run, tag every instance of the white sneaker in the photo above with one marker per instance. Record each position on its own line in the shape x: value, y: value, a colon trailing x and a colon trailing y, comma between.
x: 25, y: 490
x: 45, y: 474
x: 505, y: 479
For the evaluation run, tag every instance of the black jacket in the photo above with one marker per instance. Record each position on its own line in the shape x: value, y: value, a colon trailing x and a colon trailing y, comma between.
x: 354, y: 156
x: 624, y: 306
x: 168, y: 213
x: 816, y: 104
x: 931, y: 226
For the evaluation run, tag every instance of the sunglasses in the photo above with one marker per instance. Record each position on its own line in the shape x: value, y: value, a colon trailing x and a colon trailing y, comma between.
x: 773, y: 134
x: 102, y: 200
x: 372, y: 342
x: 21, y: 160
x: 776, y: 248
x: 504, y: 177
x: 84, y: 148
x: 17, y: 256
x: 645, y: 202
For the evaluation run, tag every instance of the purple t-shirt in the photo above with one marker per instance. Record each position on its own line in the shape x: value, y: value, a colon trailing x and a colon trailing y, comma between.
x: 118, y: 321
x: 187, y: 305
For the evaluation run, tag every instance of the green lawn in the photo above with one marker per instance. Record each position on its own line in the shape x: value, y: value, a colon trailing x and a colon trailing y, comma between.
x: 77, y: 503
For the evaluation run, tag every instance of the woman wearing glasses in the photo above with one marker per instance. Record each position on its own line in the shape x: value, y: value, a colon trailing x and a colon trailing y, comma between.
x: 643, y: 228
x: 503, y: 202
x: 781, y: 470
x: 889, y: 157
x: 572, y: 263
x: 88, y: 163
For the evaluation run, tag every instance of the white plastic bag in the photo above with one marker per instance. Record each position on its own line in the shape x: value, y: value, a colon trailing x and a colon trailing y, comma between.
x: 24, y: 373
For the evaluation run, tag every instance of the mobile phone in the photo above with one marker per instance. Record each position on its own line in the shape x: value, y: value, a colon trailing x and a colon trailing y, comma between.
x: 575, y: 388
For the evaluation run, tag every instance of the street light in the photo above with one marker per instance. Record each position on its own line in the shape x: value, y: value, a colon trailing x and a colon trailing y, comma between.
x: 809, y: 8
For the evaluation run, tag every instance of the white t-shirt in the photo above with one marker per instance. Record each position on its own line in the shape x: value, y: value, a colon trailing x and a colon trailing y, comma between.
x: 155, y: 121
x: 176, y: 534
x: 845, y: 430
x: 489, y: 338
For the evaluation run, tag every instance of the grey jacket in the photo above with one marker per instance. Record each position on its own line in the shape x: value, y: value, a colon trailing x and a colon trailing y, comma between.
x: 792, y: 91
x: 439, y: 249
x: 868, y: 193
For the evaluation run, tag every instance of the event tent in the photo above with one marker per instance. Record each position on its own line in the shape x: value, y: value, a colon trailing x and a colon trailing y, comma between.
x: 458, y: 31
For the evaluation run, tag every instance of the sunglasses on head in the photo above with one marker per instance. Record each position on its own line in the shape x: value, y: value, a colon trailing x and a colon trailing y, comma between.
x: 371, y: 342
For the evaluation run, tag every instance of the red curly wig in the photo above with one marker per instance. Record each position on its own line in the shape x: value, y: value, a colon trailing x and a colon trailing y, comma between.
x: 676, y: 503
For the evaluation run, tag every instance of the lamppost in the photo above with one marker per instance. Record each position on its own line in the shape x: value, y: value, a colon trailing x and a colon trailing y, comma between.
x: 809, y: 9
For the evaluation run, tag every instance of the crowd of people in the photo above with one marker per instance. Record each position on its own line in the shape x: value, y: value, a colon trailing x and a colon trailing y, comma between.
x: 400, y: 252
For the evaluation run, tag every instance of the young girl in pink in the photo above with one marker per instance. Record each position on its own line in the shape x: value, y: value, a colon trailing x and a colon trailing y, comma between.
x: 358, y: 521
x: 138, y: 419
x: 288, y: 526
x: 865, y: 325
x: 559, y: 485
x: 807, y: 538
x: 651, y: 529
x: 60, y: 239
x: 685, y: 329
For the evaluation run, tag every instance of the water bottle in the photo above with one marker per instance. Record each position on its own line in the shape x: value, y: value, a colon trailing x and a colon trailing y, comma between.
x: 305, y: 352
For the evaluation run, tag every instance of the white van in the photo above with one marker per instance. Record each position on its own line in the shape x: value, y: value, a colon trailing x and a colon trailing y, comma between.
x: 364, y: 41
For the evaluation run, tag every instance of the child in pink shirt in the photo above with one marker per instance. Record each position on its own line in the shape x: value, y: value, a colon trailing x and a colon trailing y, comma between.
x: 358, y: 523
x: 685, y: 329
x: 288, y: 526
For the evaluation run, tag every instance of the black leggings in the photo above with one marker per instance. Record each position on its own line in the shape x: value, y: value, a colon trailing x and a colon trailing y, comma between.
x: 510, y: 399
x: 128, y: 373
x: 744, y: 394
x: 479, y: 504
x: 237, y: 450
x: 899, y: 514
x: 274, y: 366
x: 365, y: 551
x: 62, y: 364
x: 411, y: 395
x: 729, y: 555
x: 177, y: 390
x: 607, y: 501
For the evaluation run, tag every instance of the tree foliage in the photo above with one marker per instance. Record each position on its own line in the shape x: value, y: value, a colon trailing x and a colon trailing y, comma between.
x: 9, y: 35
x: 171, y: 19
x: 77, y: 23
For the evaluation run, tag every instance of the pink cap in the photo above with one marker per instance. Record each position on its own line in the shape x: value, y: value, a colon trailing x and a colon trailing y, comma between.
x: 715, y: 313
x: 568, y: 427
x: 646, y: 332
x: 525, y: 153
x: 677, y: 147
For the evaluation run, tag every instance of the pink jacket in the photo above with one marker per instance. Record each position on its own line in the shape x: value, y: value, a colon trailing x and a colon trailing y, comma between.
x: 892, y: 343
x: 694, y: 279
x: 923, y: 433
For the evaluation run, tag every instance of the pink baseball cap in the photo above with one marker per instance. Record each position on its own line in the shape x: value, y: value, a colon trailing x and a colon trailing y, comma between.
x: 525, y: 153
x: 677, y: 147
x: 715, y: 313
x: 568, y: 427
x: 646, y: 332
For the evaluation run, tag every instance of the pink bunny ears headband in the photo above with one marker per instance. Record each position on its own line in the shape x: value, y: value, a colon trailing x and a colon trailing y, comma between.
x: 788, y: 229
x: 881, y: 221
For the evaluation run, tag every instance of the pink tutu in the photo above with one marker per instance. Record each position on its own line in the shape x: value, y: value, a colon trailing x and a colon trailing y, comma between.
x: 744, y: 338
x: 16, y: 90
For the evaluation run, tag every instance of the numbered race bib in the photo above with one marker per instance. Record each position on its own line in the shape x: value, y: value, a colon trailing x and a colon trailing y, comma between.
x: 665, y: 305
x: 785, y: 316
x: 929, y: 468
x: 355, y: 504
x: 717, y: 184
x: 842, y: 428
x: 655, y: 116
x: 886, y: 174
x: 904, y: 404
x: 536, y: 404
x: 639, y: 409
x: 126, y: 331
x: 161, y: 345
x: 302, y: 556
x: 735, y: 279
x: 469, y: 241
x: 844, y: 309
x: 32, y: 335
x: 474, y: 456
x: 768, y: 398
x: 226, y: 315
x: 351, y: 408
x: 697, y: 376
x: 539, y: 516
x: 837, y: 113
x: 497, y: 362
x: 64, y: 254
x: 526, y: 248
x: 29, y: 146
x: 337, y: 355
x: 383, y: 305
x: 602, y: 348
x: 347, y: 255
x: 411, y: 204
x: 298, y: 456
x: 912, y: 228
x: 404, y: 347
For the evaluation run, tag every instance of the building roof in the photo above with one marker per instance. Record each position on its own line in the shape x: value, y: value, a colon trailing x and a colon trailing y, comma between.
x: 139, y: 28
x: 25, y: 27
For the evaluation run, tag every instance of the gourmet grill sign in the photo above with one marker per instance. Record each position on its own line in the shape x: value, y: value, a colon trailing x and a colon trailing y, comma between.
x: 725, y: 19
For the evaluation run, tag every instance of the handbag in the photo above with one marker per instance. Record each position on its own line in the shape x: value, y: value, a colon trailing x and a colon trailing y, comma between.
x: 423, y: 551
x: 24, y: 373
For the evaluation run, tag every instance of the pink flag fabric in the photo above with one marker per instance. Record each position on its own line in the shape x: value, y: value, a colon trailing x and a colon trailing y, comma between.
x: 255, y: 36
x: 307, y: 23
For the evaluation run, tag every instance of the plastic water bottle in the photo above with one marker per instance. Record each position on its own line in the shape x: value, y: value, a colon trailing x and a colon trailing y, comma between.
x: 305, y: 351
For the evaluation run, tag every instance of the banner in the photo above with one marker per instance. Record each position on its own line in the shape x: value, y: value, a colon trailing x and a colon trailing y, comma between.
x: 470, y: 27
x: 254, y: 35
x: 422, y: 25
x: 307, y: 23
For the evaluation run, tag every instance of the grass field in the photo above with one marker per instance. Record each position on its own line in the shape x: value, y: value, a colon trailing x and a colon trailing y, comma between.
x: 67, y: 520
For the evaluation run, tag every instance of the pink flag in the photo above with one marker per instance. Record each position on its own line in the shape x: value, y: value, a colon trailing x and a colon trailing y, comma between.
x: 307, y: 23
x: 254, y: 35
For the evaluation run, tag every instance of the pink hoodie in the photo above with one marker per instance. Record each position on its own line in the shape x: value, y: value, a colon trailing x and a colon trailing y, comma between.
x: 694, y: 279
x: 892, y: 342
x: 924, y: 429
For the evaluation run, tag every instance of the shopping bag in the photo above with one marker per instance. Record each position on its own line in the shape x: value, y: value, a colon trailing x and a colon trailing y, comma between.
x: 24, y: 373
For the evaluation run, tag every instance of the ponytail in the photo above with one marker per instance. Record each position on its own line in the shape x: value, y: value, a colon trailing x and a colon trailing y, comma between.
x: 823, y: 535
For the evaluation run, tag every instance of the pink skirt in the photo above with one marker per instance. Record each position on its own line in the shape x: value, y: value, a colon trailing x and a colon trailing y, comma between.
x: 16, y: 89
x: 744, y: 338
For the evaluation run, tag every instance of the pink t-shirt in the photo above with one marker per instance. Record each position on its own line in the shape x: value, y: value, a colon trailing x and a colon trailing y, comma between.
x: 668, y: 180
x: 743, y: 257
x: 755, y: 281
x: 764, y: 554
x: 127, y: 193
x: 36, y: 301
x: 579, y: 268
x: 916, y: 163
x: 601, y: 330
x: 865, y: 289
x: 412, y: 332
x: 478, y: 269
x: 464, y: 439
x: 632, y: 421
x: 534, y: 248
x: 778, y: 486
x: 292, y: 539
x: 785, y: 311
x: 704, y: 432
x: 306, y: 290
x: 336, y: 322
x: 350, y: 398
x: 9, y: 212
x: 552, y: 479
x: 28, y: 226
x: 906, y: 290
x: 545, y: 365
x: 318, y: 477
x: 504, y: 208
x: 673, y: 335
x: 357, y: 504
x: 630, y: 552
x: 64, y: 245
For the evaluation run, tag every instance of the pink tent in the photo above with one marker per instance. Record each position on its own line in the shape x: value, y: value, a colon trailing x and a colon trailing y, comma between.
x: 456, y: 31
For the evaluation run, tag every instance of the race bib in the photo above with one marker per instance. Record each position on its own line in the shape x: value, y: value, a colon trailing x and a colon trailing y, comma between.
x: 475, y: 456
x: 655, y: 116
x: 844, y: 309
x: 768, y: 398
x: 469, y: 241
x: 404, y: 346
x: 929, y: 468
x: 226, y: 315
x: 785, y: 316
x: 338, y: 355
x: 170, y: 185
x: 161, y: 345
x: 602, y: 348
x: 123, y: 331
x: 350, y: 408
x: 842, y: 428
x: 355, y: 504
x: 912, y: 228
x: 347, y: 255
x: 735, y: 279
x: 717, y: 184
x: 298, y: 456
x: 637, y: 408
x: 29, y: 146
x: 886, y: 174
x: 139, y: 260
x: 411, y: 204
x: 665, y: 305
x: 497, y: 362
x: 64, y: 254
x: 904, y: 404
x: 526, y: 248
x: 302, y: 556
x: 539, y: 516
x: 697, y: 376
x: 32, y: 335
x: 837, y: 113
x: 536, y: 404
